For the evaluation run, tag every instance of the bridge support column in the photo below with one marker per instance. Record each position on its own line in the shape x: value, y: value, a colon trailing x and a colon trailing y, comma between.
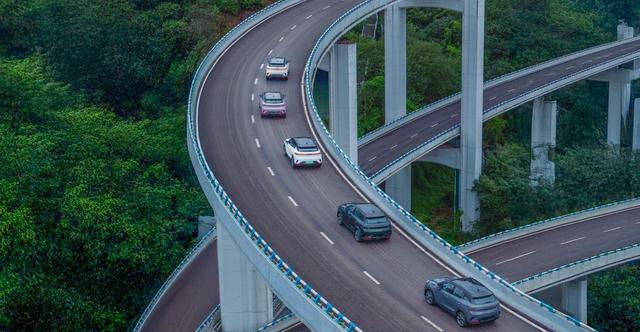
x: 619, y: 96
x: 574, y: 299
x: 343, y: 98
x: 471, y: 120
x: 543, y: 140
x: 246, y: 301
x: 395, y: 92
x: 635, y: 144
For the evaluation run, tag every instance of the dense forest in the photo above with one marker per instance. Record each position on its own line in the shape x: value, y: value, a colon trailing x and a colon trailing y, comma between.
x: 97, y: 199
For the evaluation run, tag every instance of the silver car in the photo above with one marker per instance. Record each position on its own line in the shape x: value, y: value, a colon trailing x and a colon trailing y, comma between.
x: 277, y: 67
x: 465, y: 298
x: 272, y: 104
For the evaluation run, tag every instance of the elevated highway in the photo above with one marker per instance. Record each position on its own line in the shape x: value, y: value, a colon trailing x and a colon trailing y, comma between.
x: 376, y: 285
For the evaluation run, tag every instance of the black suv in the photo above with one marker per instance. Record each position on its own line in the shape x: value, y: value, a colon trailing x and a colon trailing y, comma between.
x: 365, y: 220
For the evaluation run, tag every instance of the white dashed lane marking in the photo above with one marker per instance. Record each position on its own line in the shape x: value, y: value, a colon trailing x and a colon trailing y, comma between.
x: 326, y: 238
x: 493, y: 98
x: 257, y: 143
x: 455, y: 115
x: 612, y: 229
x: 308, y: 17
x: 270, y: 52
x: 253, y: 119
x: 638, y: 223
x: 281, y: 39
x: 253, y: 96
x: 292, y: 201
x: 414, y: 135
x: 327, y: 7
x: 393, y: 147
x: 570, y: 67
x: 574, y: 240
x: 514, y: 258
x: 372, y: 159
x: 435, y: 124
x: 255, y: 82
x: 261, y: 65
x: 271, y: 171
x: 293, y: 27
x: 432, y: 324
x: 371, y: 277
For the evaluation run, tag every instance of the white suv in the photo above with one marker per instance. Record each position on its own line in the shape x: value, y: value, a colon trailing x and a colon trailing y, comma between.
x: 278, y: 67
x: 302, y: 151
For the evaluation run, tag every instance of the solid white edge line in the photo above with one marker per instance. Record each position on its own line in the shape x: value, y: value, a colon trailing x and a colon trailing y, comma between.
x: 612, y: 229
x: 271, y: 171
x: 371, y: 277
x: 253, y: 119
x: 292, y: 201
x: 393, y: 224
x: 574, y: 240
x: 326, y: 238
x: 432, y: 324
x: 257, y: 143
x: 514, y: 258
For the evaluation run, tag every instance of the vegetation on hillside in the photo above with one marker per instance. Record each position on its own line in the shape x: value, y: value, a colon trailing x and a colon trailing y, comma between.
x: 97, y: 197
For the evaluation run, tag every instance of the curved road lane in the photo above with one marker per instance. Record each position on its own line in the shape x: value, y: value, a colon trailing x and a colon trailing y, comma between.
x: 292, y: 207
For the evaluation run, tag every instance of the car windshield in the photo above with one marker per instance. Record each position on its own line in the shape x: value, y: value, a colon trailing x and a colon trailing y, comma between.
x: 484, y: 299
x: 277, y: 62
x: 375, y: 220
x: 272, y: 98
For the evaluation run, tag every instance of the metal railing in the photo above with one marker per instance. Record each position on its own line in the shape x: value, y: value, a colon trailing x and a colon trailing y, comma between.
x: 498, y: 109
x: 268, y: 253
x: 274, y: 322
x: 195, y: 250
x: 598, y: 262
x: 408, y: 222
x: 584, y: 214
x: 426, y: 109
x: 209, y: 323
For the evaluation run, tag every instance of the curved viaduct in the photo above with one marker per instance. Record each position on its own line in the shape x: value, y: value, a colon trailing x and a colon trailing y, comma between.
x: 376, y: 285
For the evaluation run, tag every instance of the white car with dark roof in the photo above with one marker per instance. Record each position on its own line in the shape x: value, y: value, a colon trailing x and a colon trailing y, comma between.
x: 302, y: 151
x: 277, y: 67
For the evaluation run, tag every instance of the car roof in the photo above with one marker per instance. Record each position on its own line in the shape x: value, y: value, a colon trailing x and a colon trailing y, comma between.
x: 471, y: 287
x: 369, y: 210
x: 277, y: 60
x: 272, y: 95
x: 305, y: 142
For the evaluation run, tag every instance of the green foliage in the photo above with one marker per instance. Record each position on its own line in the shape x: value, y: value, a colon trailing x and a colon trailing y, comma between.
x: 614, y: 299
x: 95, y: 211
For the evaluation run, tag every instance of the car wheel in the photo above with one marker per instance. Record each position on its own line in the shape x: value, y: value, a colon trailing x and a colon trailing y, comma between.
x: 428, y: 297
x: 293, y: 163
x: 284, y: 149
x: 340, y: 218
x: 460, y: 319
x: 358, y: 234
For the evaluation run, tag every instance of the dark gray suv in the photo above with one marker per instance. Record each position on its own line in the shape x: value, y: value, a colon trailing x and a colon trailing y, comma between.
x: 464, y: 298
x: 365, y: 220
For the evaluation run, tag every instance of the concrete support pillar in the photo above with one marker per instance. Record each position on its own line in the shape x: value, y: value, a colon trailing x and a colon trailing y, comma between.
x: 245, y: 301
x: 395, y: 63
x: 619, y: 96
x: 635, y: 141
x: 471, y: 120
x: 574, y: 299
x: 543, y: 140
x: 619, y: 101
x: 395, y: 92
x: 343, y: 98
